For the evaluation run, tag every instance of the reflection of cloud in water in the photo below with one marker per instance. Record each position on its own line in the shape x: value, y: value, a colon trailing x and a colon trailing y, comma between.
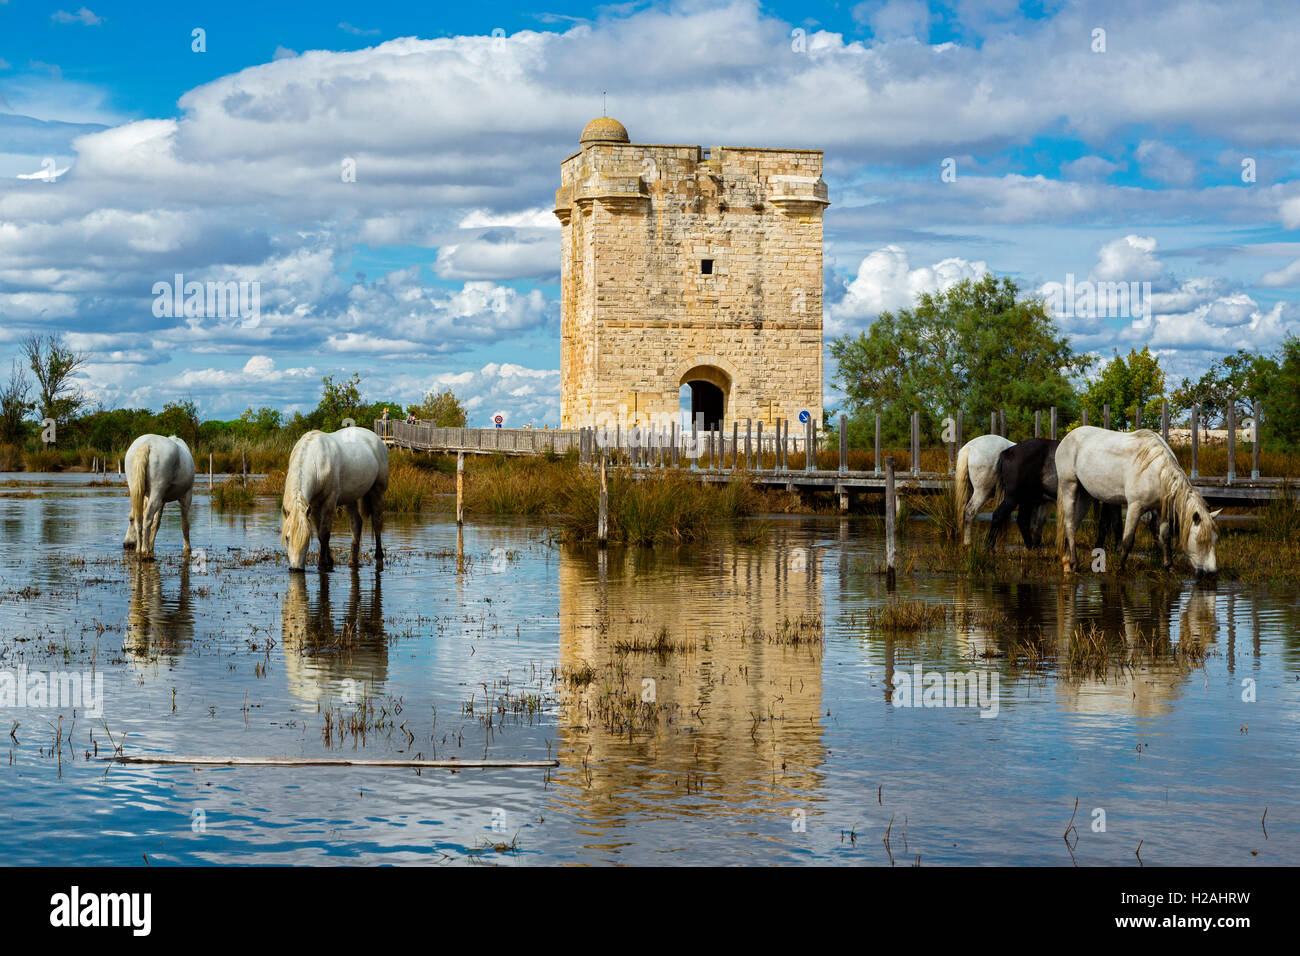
x: 736, y: 718
x: 344, y: 660
x: 155, y: 626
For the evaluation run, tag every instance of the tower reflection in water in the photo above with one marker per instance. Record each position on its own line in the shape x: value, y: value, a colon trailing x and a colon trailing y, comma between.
x: 328, y: 659
x: 689, y: 685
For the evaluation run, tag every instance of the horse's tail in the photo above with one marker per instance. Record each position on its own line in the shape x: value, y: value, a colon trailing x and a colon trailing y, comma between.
x: 138, y: 483
x: 1060, y: 519
x: 962, y: 489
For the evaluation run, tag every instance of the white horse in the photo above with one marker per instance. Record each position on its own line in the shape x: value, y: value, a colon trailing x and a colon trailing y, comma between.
x: 1138, y: 470
x: 348, y: 467
x: 158, y: 470
x: 977, y: 477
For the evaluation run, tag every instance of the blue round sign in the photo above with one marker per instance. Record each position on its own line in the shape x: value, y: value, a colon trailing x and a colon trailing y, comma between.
x: 804, y: 416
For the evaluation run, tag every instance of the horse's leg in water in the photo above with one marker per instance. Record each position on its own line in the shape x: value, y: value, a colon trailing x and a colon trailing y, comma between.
x: 375, y: 502
x: 1164, y: 535
x: 978, y: 496
x: 185, y: 519
x: 1130, y: 531
x: 1068, y: 501
x: 1001, y: 514
x: 1107, y: 522
x: 324, y: 523
x: 1038, y: 518
x: 354, y: 516
x: 153, y: 509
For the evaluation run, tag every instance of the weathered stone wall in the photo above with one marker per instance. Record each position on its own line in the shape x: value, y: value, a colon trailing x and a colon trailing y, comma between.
x: 637, y: 311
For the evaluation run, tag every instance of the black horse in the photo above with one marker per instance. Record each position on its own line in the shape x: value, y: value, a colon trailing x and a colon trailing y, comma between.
x: 1026, y: 480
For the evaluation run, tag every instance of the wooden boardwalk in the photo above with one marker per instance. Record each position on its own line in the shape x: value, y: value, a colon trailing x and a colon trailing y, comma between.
x: 723, y: 458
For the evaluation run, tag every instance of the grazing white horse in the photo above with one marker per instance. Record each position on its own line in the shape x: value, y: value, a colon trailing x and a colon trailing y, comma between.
x: 1138, y: 470
x: 158, y: 470
x: 348, y: 467
x: 977, y: 477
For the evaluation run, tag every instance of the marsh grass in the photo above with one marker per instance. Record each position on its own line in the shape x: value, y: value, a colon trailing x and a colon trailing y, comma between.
x: 906, y: 614
x: 1094, y: 653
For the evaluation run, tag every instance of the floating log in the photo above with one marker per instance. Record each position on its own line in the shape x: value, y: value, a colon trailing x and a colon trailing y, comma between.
x: 325, y: 762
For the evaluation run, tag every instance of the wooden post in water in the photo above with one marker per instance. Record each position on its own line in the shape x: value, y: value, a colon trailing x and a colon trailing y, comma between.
x: 602, y: 514
x: 672, y: 439
x: 735, y: 441
x: 1230, y: 413
x: 759, y: 445
x: 460, y: 487
x: 1105, y: 415
x: 243, y: 464
x: 1002, y: 422
x: 877, y: 443
x: 1038, y: 423
x: 697, y: 424
x: 1083, y: 417
x: 1196, y: 439
x: 1052, y: 423
x: 916, y: 443
x: 993, y: 423
x: 1164, y: 420
x: 749, y: 444
x: 844, y: 445
x: 209, y: 472
x: 891, y: 553
x: 1254, y: 451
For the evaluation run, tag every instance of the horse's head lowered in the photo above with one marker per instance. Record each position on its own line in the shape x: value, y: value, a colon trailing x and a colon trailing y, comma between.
x: 1198, y: 533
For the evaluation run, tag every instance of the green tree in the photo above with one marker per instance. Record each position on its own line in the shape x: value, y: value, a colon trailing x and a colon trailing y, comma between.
x: 54, y: 365
x: 180, y: 419
x: 443, y: 409
x: 262, y: 422
x: 338, y: 400
x: 1277, y: 387
x: 978, y: 347
x: 1241, y: 378
x: 1125, y: 381
x: 15, y: 404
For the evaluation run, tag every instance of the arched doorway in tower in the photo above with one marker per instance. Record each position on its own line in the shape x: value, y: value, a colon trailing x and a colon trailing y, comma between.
x: 705, y: 390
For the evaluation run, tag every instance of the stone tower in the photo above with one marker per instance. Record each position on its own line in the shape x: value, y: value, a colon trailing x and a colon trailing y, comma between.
x: 684, y: 266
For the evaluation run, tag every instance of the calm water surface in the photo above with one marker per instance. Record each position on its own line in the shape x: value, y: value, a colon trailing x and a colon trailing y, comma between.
x: 755, y: 748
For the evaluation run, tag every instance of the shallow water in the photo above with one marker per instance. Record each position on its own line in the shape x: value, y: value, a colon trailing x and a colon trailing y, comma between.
x: 755, y: 749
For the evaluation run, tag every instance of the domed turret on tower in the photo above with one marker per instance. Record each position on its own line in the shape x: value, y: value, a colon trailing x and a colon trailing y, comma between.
x: 604, y: 129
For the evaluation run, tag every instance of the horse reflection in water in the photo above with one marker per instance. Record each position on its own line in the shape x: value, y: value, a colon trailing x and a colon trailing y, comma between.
x: 344, y: 660
x: 1151, y: 625
x: 157, y: 628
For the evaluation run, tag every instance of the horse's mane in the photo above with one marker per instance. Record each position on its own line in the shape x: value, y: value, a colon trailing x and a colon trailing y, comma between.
x: 1180, y: 499
x: 296, y: 528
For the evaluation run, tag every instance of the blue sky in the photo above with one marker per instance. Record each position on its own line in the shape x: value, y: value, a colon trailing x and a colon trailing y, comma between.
x: 1161, y: 150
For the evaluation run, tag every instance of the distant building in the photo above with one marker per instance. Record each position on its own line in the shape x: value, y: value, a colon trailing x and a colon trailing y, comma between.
x: 684, y: 266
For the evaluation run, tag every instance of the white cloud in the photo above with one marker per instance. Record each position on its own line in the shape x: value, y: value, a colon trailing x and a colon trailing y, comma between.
x: 83, y: 16
x: 886, y: 282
